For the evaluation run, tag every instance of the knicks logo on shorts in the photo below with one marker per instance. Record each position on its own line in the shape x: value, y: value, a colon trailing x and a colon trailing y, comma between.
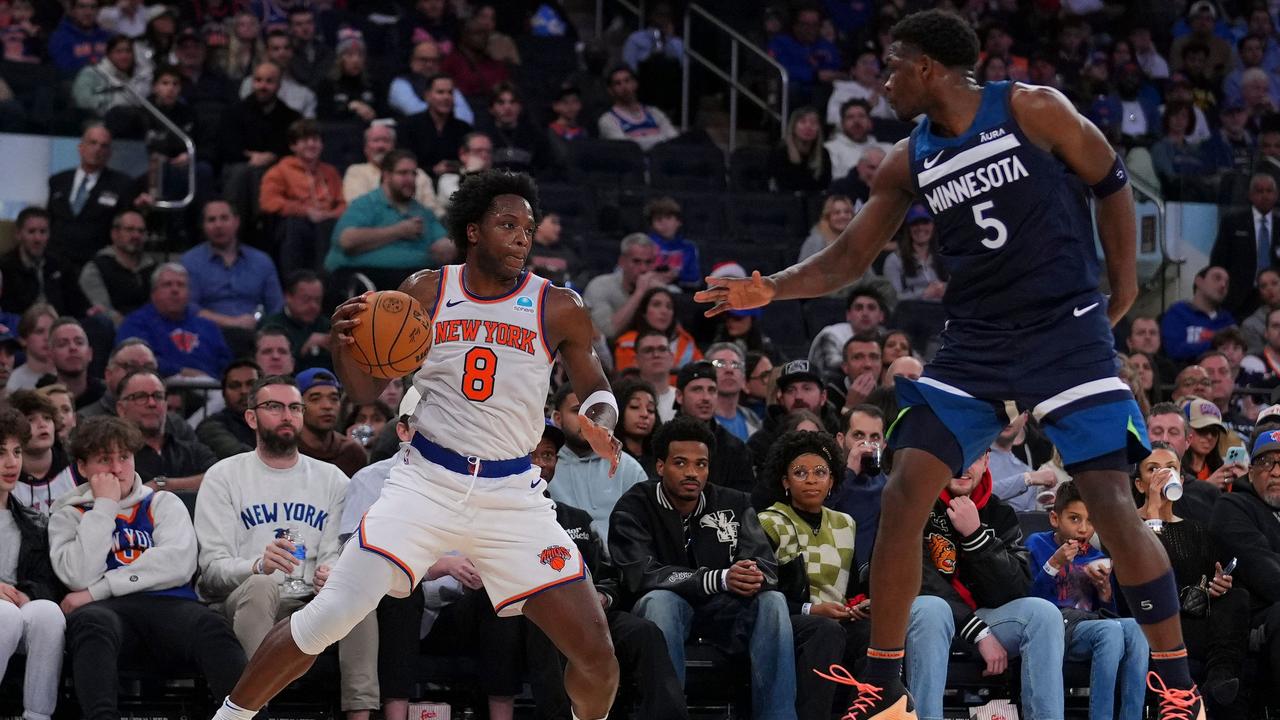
x: 555, y: 556
x: 942, y: 553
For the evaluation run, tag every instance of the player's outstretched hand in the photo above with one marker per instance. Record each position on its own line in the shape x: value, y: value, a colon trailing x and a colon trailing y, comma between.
x: 736, y: 293
x: 602, y: 441
x: 344, y: 318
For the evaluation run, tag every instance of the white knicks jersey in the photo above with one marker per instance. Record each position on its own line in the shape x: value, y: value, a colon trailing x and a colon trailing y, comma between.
x: 484, y: 382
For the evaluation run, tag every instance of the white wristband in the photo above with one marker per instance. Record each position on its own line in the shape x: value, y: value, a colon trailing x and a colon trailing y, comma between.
x: 982, y: 635
x: 1049, y: 568
x: 599, y: 397
x: 805, y: 608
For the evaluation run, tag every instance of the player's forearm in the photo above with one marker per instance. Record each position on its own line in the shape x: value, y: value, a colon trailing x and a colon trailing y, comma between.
x: 1118, y: 231
x: 824, y: 272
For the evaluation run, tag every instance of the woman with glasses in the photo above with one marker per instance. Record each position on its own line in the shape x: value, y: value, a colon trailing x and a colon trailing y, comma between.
x: 637, y: 402
x: 657, y: 311
x: 816, y: 567
x: 1215, y: 615
x: 759, y: 385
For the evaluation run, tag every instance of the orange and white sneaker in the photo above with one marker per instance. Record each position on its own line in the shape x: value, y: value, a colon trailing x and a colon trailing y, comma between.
x: 1176, y: 704
x: 891, y: 702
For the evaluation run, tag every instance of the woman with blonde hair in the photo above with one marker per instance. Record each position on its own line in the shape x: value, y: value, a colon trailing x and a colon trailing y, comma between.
x: 244, y: 45
x: 799, y: 163
x: 837, y: 211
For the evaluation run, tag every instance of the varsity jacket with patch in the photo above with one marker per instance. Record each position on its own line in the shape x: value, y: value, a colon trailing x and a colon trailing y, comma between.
x: 656, y: 549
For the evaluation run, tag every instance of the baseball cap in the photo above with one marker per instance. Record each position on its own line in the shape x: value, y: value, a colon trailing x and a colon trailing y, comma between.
x: 409, y: 403
x: 1202, y: 6
x: 1270, y: 411
x: 317, y: 377
x: 349, y: 38
x: 917, y: 213
x: 1201, y: 413
x: 10, y: 339
x: 695, y: 371
x: 795, y: 371
x: 1267, y: 442
x: 552, y: 433
x: 728, y: 269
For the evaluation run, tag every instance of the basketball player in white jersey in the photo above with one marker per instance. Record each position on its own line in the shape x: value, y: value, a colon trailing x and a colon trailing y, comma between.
x: 466, y: 482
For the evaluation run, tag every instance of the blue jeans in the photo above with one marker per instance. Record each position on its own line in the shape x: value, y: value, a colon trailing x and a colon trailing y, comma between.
x: 1030, y: 627
x: 773, y: 665
x: 1117, y: 652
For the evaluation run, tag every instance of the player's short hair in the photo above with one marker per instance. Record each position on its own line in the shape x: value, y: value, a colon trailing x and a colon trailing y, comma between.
x: 942, y: 35
x: 866, y: 409
x: 31, y: 318
x: 13, y: 423
x: 1067, y: 493
x: 30, y: 401
x: 268, y: 381
x: 792, y: 445
x: 239, y: 365
x: 682, y: 428
x: 100, y: 434
x: 475, y: 196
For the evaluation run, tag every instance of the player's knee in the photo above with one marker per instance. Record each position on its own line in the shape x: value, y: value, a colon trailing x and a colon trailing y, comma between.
x: 329, y: 618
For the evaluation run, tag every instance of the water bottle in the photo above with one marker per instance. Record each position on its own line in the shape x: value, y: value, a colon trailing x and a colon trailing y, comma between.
x: 1172, y: 489
x: 362, y: 434
x: 296, y: 583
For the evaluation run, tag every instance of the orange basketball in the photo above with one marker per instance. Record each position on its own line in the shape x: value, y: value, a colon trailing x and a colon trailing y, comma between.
x: 393, y: 336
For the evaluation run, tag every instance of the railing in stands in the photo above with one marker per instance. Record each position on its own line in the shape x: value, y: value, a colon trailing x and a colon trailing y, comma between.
x: 736, y: 88
x: 1151, y: 193
x: 186, y: 141
x: 730, y: 76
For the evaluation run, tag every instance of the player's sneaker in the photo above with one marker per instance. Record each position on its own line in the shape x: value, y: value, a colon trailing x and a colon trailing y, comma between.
x: 891, y: 702
x: 1176, y: 704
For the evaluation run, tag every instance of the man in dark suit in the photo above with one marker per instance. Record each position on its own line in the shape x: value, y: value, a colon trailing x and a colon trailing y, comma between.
x: 1248, y: 243
x: 83, y: 200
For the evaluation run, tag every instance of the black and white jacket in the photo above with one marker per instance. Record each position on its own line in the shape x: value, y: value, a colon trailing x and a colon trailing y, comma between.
x: 656, y: 549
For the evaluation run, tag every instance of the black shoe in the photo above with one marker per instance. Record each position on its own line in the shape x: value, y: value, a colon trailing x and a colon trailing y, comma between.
x: 890, y: 702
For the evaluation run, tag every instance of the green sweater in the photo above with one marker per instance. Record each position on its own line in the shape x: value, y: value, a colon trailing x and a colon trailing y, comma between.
x: 828, y: 553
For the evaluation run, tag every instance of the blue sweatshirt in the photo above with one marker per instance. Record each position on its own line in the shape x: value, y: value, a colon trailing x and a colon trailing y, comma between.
x: 680, y: 254
x: 859, y: 498
x: 71, y: 48
x: 191, y: 342
x: 1186, y: 332
x: 1070, y: 587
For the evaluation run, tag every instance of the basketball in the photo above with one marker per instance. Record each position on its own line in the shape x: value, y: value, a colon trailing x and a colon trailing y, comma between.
x: 393, y: 336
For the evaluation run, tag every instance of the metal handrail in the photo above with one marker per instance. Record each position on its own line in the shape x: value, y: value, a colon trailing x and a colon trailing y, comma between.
x: 186, y: 141
x: 1152, y: 193
x: 735, y: 87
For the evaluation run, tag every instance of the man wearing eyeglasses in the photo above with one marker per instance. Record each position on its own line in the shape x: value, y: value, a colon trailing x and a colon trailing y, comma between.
x: 246, y: 504
x: 132, y: 355
x: 165, y: 461
x: 730, y: 364
x: 1246, y: 525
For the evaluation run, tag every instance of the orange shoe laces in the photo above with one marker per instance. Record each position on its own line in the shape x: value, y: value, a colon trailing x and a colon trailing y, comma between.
x: 868, y: 695
x: 1175, y: 704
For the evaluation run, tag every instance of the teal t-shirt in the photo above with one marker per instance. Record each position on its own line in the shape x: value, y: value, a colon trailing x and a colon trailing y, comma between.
x: 373, y: 210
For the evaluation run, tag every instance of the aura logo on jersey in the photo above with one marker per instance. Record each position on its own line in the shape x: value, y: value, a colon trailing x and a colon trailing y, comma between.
x: 495, y: 333
x: 555, y: 557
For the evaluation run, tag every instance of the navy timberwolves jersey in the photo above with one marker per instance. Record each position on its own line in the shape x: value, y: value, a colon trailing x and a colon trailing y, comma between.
x: 1013, y: 222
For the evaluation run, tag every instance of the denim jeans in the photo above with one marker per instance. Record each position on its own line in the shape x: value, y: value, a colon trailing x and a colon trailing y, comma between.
x: 773, y: 671
x: 1027, y: 627
x: 1117, y: 652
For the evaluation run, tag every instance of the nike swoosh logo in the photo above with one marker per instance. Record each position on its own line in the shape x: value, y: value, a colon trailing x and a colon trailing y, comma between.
x: 451, y: 303
x: 930, y: 162
x: 534, y: 484
x: 1081, y: 311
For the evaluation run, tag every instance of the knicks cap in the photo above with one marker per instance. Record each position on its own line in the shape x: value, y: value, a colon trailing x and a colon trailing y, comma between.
x: 796, y: 371
x: 552, y: 433
x: 1201, y: 413
x: 1267, y: 442
x: 695, y: 371
x: 409, y: 403
x: 1270, y: 411
x: 317, y: 377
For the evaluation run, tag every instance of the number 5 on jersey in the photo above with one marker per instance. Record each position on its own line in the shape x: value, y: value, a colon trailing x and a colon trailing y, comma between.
x: 986, y: 223
x: 477, y: 379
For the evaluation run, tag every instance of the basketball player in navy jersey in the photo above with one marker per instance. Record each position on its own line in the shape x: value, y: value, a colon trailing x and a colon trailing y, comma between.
x: 1005, y: 171
x: 466, y: 481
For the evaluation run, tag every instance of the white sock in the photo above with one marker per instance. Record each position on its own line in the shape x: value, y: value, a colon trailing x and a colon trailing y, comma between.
x: 575, y: 716
x: 231, y: 711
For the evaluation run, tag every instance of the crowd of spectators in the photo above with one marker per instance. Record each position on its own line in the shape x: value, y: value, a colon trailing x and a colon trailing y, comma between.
x: 151, y: 357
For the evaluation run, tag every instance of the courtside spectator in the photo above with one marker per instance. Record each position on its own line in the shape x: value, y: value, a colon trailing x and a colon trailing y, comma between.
x: 655, y: 363
x: 474, y: 154
x: 864, y: 84
x: 318, y: 437
x: 43, y: 457
x: 38, y: 494
x: 582, y: 477
x: 117, y: 279
x: 128, y: 555
x: 798, y: 387
x: 184, y: 343
x: 30, y: 619
x: 312, y: 58
x: 628, y: 118
x: 637, y: 420
x: 1188, y: 325
x: 305, y: 194
x: 915, y: 270
x: 387, y: 234
x: 861, y: 370
x: 166, y: 461
x: 708, y: 576
x: 730, y: 363
x: 226, y: 432
x: 696, y: 392
x: 31, y: 275
x: 1013, y: 480
x: 302, y: 320
x: 246, y: 560
x: 552, y: 256
x: 84, y: 201
x: 1254, y: 327
x: 864, y: 475
x: 64, y: 402
x: 253, y: 135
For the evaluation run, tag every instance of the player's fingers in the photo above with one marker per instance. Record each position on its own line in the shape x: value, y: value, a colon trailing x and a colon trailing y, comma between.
x: 718, y: 308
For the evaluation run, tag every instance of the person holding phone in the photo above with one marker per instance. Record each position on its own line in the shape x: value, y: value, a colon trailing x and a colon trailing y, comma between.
x: 1214, y: 613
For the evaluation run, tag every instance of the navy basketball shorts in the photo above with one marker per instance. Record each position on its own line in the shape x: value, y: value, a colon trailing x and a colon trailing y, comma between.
x: 1064, y: 373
